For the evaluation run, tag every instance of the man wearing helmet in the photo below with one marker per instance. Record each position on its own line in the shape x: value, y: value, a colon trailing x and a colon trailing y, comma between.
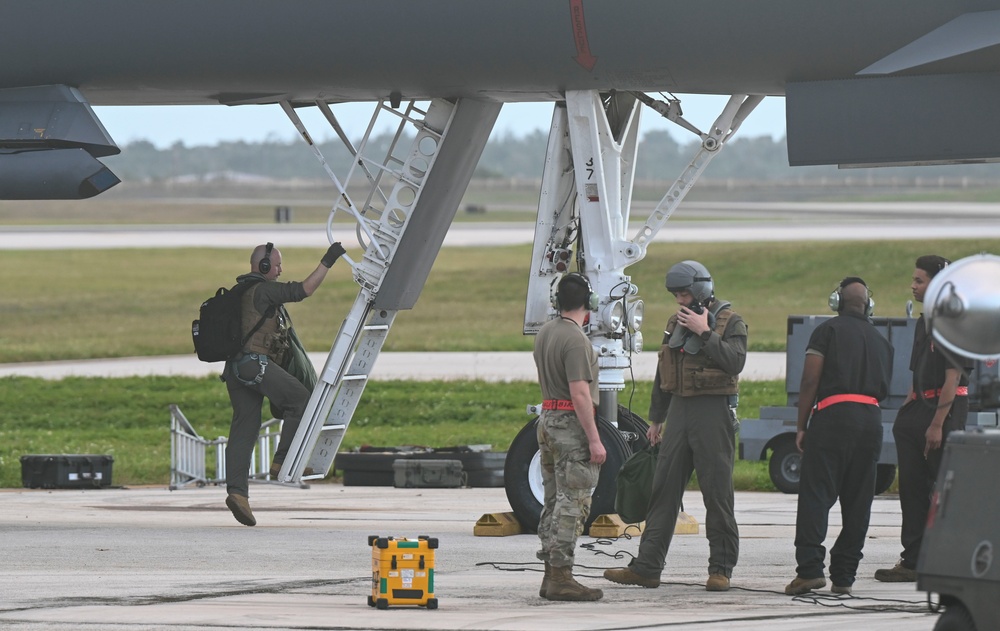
x: 691, y: 415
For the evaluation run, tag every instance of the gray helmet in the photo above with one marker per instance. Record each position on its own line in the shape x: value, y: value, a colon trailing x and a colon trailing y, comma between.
x: 692, y: 276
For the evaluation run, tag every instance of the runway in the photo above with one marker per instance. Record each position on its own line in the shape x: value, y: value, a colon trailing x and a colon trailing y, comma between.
x: 708, y: 222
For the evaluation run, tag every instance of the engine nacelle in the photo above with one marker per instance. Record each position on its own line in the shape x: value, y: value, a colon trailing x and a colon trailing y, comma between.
x: 50, y: 140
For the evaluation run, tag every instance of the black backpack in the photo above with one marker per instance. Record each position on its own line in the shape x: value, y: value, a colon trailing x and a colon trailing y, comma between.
x: 218, y: 331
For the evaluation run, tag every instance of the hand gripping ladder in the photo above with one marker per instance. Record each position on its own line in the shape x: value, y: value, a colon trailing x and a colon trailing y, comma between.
x: 413, y: 192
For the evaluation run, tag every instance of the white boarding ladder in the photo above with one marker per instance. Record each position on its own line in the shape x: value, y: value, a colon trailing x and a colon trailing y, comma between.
x: 392, y: 271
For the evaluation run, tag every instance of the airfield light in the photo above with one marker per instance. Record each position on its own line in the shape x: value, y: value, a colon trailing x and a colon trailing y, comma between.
x: 613, y: 315
x: 636, y: 309
x: 636, y: 342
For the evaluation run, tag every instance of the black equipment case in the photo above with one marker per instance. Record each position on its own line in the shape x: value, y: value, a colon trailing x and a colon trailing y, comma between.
x: 66, y: 471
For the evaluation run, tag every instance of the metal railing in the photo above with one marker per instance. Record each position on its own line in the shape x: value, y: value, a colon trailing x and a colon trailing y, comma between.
x: 193, y: 459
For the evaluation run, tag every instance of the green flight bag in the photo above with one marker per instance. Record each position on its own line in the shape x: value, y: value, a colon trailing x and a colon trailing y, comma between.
x: 635, y: 485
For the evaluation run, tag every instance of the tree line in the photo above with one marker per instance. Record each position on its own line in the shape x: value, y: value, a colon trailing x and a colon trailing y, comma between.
x: 661, y: 158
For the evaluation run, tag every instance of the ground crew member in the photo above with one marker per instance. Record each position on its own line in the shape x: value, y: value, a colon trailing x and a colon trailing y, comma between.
x: 692, y: 410
x: 258, y: 371
x: 570, y: 447
x: 847, y: 370
x: 937, y: 405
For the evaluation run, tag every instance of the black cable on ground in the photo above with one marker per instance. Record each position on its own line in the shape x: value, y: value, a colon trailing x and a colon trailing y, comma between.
x: 846, y: 601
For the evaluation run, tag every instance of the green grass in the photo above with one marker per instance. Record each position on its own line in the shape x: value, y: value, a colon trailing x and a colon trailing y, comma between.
x: 129, y: 418
x: 77, y: 304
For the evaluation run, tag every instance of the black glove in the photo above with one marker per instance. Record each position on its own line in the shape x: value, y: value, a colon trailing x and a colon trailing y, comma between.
x: 334, y: 252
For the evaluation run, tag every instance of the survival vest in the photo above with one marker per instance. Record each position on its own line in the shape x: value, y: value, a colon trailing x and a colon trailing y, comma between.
x: 218, y: 331
x: 692, y: 375
x: 268, y: 332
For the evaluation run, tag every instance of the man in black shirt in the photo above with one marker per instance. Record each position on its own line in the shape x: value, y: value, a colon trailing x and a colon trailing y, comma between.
x: 937, y: 405
x: 848, y: 367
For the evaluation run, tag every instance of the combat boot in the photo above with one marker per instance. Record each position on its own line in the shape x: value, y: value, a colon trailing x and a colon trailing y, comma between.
x: 545, y: 580
x: 898, y: 574
x: 240, y: 506
x: 625, y: 576
x: 562, y: 586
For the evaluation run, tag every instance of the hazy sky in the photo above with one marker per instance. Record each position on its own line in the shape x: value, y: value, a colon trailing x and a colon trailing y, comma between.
x: 207, y: 125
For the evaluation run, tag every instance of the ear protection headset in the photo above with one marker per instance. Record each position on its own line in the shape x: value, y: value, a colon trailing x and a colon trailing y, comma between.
x: 836, y: 301
x: 592, y: 300
x: 265, y: 263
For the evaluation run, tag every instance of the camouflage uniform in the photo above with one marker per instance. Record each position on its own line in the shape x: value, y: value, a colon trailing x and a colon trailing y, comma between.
x: 564, y: 354
x: 569, y: 479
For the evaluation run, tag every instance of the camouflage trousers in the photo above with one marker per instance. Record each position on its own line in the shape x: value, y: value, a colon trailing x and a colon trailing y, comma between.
x: 569, y: 479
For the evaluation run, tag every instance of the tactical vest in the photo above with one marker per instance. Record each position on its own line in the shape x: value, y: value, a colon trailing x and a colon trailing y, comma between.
x: 692, y: 375
x: 271, y: 338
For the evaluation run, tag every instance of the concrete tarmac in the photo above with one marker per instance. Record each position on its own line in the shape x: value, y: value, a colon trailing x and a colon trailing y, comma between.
x: 137, y: 559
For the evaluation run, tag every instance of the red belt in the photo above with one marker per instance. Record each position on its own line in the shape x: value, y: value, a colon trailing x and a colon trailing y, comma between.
x: 558, y: 404
x: 960, y: 391
x: 844, y: 398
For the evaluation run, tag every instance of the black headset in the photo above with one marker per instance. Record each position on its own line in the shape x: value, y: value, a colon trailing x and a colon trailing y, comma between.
x: 591, y: 301
x: 836, y: 302
x: 264, y: 266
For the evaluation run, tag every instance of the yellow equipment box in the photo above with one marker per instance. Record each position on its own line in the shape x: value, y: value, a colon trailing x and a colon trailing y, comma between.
x: 402, y: 572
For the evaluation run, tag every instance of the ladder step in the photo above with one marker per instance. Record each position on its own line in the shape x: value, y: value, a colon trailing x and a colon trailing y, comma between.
x: 376, y: 327
x: 354, y: 377
x: 335, y: 427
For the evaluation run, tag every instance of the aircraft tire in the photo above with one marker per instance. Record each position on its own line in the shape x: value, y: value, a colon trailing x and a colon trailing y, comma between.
x: 523, y: 481
x: 635, y: 427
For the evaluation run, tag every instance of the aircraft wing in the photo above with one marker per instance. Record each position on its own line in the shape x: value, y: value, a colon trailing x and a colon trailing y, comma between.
x: 894, y: 81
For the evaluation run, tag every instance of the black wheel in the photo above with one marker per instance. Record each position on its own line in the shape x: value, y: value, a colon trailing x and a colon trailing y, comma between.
x: 634, y: 429
x: 955, y: 618
x: 785, y: 464
x: 432, y: 603
x: 371, y: 601
x: 522, y: 474
x: 885, y: 475
x: 381, y: 603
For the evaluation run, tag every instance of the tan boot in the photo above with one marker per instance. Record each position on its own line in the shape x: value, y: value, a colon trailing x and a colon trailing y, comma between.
x: 545, y: 581
x: 240, y: 506
x: 801, y: 585
x: 897, y: 574
x: 717, y: 583
x: 562, y: 586
x: 625, y: 576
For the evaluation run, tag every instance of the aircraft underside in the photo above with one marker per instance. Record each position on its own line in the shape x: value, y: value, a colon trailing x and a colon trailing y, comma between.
x: 867, y: 83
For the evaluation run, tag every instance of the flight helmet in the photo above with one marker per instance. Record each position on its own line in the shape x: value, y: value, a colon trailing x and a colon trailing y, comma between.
x: 694, y: 277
